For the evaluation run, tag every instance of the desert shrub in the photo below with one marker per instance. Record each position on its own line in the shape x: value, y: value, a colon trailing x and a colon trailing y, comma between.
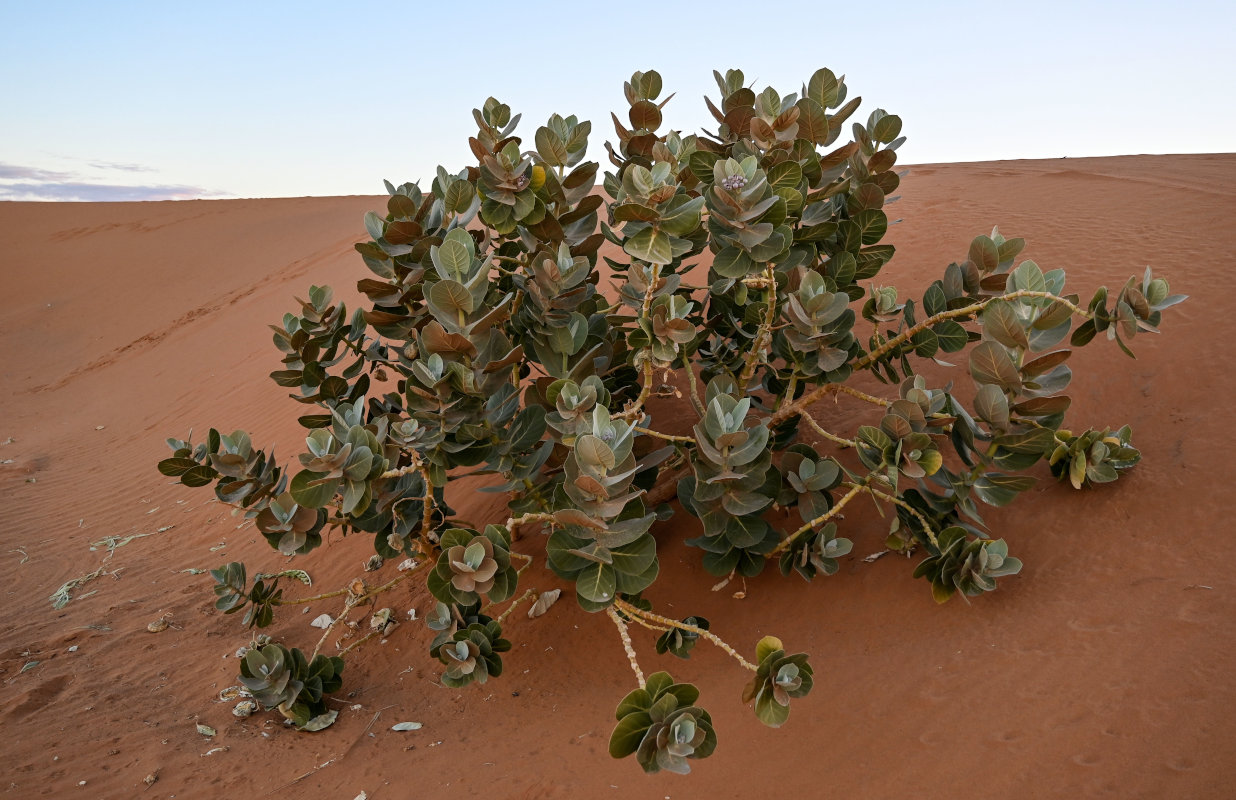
x: 741, y: 261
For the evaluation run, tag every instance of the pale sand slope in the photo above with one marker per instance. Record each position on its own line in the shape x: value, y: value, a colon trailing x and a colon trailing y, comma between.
x: 1104, y: 669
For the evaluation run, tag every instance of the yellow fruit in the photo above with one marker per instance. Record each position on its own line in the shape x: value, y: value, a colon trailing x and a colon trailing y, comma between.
x: 538, y: 177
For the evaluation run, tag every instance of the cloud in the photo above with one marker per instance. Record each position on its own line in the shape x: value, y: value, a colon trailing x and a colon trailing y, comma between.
x: 19, y: 182
x: 16, y: 172
x: 122, y: 167
x: 101, y: 192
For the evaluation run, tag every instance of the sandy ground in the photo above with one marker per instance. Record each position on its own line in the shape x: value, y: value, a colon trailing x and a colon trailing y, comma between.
x: 1104, y: 669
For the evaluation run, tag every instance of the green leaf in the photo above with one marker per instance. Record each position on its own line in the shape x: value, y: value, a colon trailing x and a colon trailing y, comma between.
x: 459, y: 196
x: 594, y: 452
x: 1000, y: 322
x: 984, y: 253
x: 823, y: 88
x: 198, y: 476
x: 769, y: 711
x: 732, y: 262
x: 951, y: 335
x: 765, y: 646
x: 887, y: 129
x: 992, y: 405
x: 990, y: 363
x: 629, y: 733
x: 551, y: 148
x: 1027, y: 277
x: 454, y: 258
x: 175, y: 467
x: 785, y: 175
x: 596, y: 583
x: 650, y: 245
x: 311, y: 490
x: 636, y: 557
x: 872, y: 225
x: 452, y: 296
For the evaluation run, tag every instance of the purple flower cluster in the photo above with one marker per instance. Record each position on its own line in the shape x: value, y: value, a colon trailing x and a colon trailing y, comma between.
x: 734, y: 182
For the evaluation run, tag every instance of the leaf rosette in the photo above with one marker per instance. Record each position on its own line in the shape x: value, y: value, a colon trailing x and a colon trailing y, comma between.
x: 778, y: 678
x: 473, y: 564
x: 661, y: 725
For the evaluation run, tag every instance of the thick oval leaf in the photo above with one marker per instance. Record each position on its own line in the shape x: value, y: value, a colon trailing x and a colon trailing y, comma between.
x: 950, y: 335
x: 992, y: 405
x: 593, y: 452
x: 311, y: 491
x: 630, y: 731
x: 650, y: 245
x: 984, y: 253
x: 1000, y: 322
x: 452, y: 296
x: 596, y: 583
x: 990, y: 363
x: 551, y: 148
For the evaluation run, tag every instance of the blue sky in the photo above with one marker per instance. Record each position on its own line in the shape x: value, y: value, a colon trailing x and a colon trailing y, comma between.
x: 128, y: 101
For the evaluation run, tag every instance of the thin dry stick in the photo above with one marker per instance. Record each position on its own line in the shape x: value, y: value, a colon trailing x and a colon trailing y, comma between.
x: 427, y: 520
x: 969, y: 310
x: 820, y: 520
x: 526, y: 559
x: 648, y: 625
x: 667, y: 437
x: 759, y: 345
x: 530, y: 593
x: 790, y: 409
x: 637, y: 408
x: 348, y: 605
x: 315, y: 598
x: 832, y: 437
x: 358, y: 642
x: 632, y: 611
x: 354, y: 600
x: 861, y: 395
x: 535, y: 516
x: 650, y: 291
x: 399, y: 473
x: 898, y: 501
x: 626, y: 645
x: 694, y: 391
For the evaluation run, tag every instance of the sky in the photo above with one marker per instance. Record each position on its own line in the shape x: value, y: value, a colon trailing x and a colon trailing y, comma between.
x: 167, y: 100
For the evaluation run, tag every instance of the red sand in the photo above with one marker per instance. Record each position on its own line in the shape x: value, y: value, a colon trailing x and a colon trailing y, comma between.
x: 1104, y: 669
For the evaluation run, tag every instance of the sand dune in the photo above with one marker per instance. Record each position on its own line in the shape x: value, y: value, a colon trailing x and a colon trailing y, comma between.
x: 1104, y: 669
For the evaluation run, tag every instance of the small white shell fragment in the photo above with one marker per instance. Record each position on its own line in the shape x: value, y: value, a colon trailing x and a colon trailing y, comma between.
x: 322, y: 621
x: 361, y: 796
x: 406, y: 726
x: 205, y: 730
x: 244, y: 709
x: 73, y: 649
x: 412, y: 614
x: 407, y: 564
